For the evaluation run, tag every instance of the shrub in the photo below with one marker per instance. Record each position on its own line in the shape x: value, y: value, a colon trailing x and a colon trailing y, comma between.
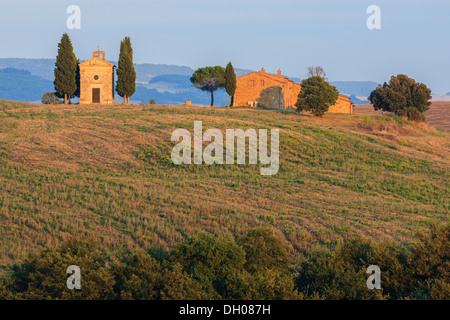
x: 43, y: 276
x: 316, y: 95
x: 137, y: 276
x: 430, y: 264
x: 342, y: 273
x: 50, y: 98
x: 403, y: 96
x: 5, y: 289
x: 264, y: 250
x: 213, y: 262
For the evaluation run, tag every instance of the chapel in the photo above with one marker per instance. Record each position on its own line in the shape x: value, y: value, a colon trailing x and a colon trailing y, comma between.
x: 97, y: 80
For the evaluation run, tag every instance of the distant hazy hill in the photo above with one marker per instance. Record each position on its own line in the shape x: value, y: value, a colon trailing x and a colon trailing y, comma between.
x: 355, y: 100
x: 21, y: 85
x: 147, y: 71
x: 44, y: 68
x: 358, y: 91
x: 357, y: 88
x: 39, y: 67
x: 178, y: 80
x: 195, y: 95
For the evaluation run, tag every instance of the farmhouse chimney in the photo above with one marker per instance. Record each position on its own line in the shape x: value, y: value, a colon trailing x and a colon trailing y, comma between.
x: 279, y: 72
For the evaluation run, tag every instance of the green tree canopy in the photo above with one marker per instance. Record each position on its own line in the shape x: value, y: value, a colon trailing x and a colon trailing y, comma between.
x: 316, y: 95
x: 230, y: 81
x: 213, y: 262
x: 43, y: 276
x: 257, y: 266
x: 403, y: 96
x: 126, y: 75
x: 137, y: 275
x: 264, y: 250
x: 341, y: 274
x: 50, y: 98
x: 65, y: 69
x: 209, y: 79
x: 430, y: 264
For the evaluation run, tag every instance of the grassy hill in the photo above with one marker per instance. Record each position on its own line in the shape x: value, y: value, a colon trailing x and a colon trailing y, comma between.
x: 105, y: 172
x: 437, y: 116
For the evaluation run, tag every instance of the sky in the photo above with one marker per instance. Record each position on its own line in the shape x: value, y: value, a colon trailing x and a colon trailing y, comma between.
x: 290, y: 35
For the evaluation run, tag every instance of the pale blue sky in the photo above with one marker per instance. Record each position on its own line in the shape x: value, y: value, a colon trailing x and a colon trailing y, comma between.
x: 414, y: 38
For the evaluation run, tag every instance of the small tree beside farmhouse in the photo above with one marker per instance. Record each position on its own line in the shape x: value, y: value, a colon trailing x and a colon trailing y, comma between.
x: 230, y: 81
x: 403, y: 96
x: 65, y: 69
x: 316, y: 95
x: 209, y: 79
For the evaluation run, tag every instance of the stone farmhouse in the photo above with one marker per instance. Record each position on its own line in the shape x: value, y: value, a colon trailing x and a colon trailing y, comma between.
x: 276, y: 92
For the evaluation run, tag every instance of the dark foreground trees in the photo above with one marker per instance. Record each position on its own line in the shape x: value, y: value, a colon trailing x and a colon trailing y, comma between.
x: 203, y: 267
x: 209, y: 79
x: 403, y: 96
x: 419, y: 271
x: 316, y: 95
x: 259, y: 265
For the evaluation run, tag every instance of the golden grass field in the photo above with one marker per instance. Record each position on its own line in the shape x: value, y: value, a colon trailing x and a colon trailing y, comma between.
x: 437, y: 116
x: 104, y: 172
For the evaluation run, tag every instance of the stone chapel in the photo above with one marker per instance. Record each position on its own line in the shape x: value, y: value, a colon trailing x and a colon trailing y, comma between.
x: 97, y: 80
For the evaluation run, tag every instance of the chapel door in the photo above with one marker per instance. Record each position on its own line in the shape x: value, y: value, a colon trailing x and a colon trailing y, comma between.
x: 95, y: 95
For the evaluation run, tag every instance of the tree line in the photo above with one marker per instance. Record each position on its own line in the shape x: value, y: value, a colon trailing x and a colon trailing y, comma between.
x: 402, y: 96
x: 67, y: 73
x: 257, y: 265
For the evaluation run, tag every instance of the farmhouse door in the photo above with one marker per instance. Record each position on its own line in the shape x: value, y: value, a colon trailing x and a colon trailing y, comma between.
x: 95, y: 95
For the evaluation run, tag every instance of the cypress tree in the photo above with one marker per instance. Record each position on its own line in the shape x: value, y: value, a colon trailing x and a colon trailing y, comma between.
x: 126, y: 75
x: 65, y: 69
x: 230, y: 81
x: 77, y: 80
x: 120, y: 84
